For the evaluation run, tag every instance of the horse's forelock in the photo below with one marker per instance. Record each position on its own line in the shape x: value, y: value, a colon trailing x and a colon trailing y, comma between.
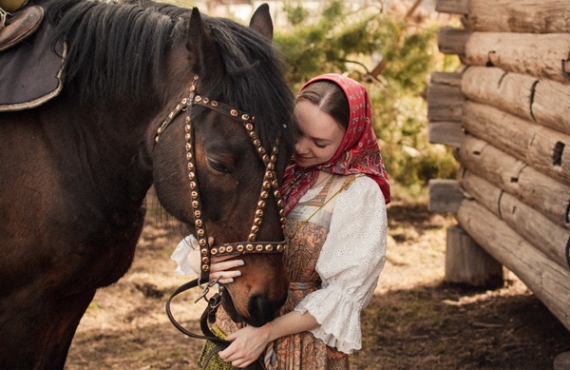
x: 254, y: 80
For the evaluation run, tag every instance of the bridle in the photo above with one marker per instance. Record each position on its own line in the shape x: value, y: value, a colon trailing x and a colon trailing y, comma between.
x: 251, y: 245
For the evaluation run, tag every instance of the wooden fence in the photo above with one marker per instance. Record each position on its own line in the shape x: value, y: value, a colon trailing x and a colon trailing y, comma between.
x: 507, y: 114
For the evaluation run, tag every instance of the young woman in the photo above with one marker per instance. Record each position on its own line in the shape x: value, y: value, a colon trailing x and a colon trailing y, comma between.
x: 335, y: 193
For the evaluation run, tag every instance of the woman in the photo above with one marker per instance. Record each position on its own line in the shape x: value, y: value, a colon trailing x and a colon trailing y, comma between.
x: 335, y: 194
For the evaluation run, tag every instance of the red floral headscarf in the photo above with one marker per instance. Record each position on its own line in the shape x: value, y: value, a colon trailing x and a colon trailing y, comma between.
x: 358, y: 152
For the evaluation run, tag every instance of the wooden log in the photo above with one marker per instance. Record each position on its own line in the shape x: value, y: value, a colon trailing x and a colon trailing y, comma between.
x: 446, y: 133
x: 539, y: 55
x: 452, y: 6
x: 537, y: 229
x: 546, y: 150
x: 546, y: 279
x: 551, y: 104
x: 549, y: 197
x: 452, y: 40
x: 524, y: 16
x: 446, y: 78
x: 444, y: 195
x: 445, y: 99
x: 542, y: 101
x: 467, y: 263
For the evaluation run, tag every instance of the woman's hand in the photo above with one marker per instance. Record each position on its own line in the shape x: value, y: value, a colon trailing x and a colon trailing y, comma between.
x: 222, y: 269
x: 247, y: 345
x: 189, y: 259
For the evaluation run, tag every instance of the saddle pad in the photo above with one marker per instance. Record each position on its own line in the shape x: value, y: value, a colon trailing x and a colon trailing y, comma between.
x: 31, y: 72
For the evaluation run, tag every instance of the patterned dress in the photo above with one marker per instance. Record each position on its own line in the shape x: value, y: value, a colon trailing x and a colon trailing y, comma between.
x: 308, y: 226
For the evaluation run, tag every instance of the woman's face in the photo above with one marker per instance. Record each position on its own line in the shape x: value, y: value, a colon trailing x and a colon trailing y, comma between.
x: 320, y: 135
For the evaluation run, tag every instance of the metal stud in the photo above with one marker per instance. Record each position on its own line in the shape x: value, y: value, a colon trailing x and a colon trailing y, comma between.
x: 201, y: 232
x: 234, y: 113
x: 269, y: 248
x: 214, y: 103
x: 214, y: 251
x: 259, y: 247
x: 205, y: 260
x: 248, y: 126
x: 198, y: 98
x: 266, y: 185
x: 254, y: 229
x: 188, y: 147
x: 261, y: 204
x: 249, y: 247
x: 205, y: 268
x: 240, y: 248
x: 190, y: 166
x: 259, y: 213
x: 229, y: 249
x: 245, y: 117
x: 206, y: 100
x: 204, y: 251
x: 264, y: 194
x: 222, y: 249
x: 193, y: 185
x: 257, y: 221
x: 187, y: 119
x: 191, y: 175
x: 194, y: 194
x: 195, y: 204
x: 197, y: 213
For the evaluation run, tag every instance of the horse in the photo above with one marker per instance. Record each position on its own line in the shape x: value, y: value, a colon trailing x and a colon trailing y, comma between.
x: 75, y: 170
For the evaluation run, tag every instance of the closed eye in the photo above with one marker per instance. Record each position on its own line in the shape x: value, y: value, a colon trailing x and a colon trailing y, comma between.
x: 217, y: 166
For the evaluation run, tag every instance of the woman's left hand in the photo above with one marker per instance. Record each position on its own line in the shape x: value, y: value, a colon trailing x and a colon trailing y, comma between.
x: 247, y: 345
x: 222, y: 269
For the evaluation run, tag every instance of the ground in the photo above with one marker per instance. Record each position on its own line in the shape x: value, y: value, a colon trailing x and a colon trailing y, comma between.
x: 413, y: 322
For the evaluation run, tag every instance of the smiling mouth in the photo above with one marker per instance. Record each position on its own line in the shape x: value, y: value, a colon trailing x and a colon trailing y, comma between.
x: 301, y: 158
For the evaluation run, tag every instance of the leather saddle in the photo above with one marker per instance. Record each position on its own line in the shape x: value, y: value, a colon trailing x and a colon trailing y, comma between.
x: 30, y: 66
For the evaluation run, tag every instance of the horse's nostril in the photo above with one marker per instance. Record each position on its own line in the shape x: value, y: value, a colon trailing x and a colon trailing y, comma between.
x: 261, y: 310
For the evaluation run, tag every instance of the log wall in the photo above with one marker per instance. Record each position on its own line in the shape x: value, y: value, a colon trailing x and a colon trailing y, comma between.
x: 507, y: 114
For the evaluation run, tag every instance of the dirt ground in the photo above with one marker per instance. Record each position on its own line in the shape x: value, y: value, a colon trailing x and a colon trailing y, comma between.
x: 413, y: 322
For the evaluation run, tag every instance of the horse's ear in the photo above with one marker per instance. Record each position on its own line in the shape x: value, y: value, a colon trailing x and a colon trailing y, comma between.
x: 261, y: 21
x: 202, y: 47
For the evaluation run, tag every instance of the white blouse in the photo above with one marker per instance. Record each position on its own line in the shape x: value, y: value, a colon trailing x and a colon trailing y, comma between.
x: 350, y: 262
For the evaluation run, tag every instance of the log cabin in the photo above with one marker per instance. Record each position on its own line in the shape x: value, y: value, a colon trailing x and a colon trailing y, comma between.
x: 506, y: 113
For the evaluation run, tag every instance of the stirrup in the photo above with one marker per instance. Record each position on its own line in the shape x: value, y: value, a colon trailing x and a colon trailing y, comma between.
x: 19, y: 25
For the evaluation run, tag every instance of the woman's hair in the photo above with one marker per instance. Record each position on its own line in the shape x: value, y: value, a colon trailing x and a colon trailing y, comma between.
x: 330, y: 98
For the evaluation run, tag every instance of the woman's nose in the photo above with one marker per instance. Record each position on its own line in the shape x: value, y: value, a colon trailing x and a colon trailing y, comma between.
x: 301, y: 146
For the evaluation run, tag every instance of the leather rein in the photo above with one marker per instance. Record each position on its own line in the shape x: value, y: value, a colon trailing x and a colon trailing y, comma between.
x: 270, y: 183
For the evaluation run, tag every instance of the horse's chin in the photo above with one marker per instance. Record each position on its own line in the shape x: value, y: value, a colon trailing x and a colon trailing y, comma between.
x: 260, y: 310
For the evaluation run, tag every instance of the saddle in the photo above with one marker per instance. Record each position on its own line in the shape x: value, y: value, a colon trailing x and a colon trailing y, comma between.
x: 30, y: 68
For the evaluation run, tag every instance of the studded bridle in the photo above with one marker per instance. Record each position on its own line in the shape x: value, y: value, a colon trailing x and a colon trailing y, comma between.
x: 270, y: 182
x: 252, y: 245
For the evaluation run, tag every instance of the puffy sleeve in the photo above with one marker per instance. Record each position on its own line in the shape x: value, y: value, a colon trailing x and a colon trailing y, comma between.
x: 349, y: 265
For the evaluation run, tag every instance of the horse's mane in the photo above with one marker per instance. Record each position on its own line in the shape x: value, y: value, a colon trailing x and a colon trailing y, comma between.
x: 119, y: 50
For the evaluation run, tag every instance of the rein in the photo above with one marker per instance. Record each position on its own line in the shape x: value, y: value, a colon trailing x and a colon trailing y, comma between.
x: 251, y: 245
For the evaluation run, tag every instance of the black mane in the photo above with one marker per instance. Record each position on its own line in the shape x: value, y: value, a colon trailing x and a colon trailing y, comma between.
x: 119, y: 51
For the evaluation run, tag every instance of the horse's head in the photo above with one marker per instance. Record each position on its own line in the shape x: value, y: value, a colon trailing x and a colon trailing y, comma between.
x: 219, y: 171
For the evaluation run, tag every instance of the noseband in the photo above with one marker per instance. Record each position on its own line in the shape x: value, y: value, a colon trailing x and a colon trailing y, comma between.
x: 270, y: 182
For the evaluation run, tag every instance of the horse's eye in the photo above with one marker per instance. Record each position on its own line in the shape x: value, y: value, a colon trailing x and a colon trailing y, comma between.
x: 217, y: 166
